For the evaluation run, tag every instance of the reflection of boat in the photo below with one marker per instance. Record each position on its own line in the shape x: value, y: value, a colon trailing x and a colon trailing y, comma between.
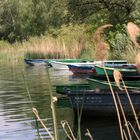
x: 66, y: 87
x: 95, y: 83
x: 35, y: 62
x: 63, y: 102
x: 100, y: 102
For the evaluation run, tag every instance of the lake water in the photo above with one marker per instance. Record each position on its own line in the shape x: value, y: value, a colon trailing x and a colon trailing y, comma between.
x: 16, y: 117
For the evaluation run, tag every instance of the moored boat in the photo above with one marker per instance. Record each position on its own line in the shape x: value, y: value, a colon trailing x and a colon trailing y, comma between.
x: 100, y: 103
x: 125, y: 70
x: 111, y: 77
x: 35, y: 62
x: 62, y: 89
x: 98, y: 84
x: 81, y: 69
x: 87, y: 68
x: 64, y: 65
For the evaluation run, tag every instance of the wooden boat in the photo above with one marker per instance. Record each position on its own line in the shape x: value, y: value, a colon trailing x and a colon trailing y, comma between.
x: 49, y: 61
x: 125, y: 70
x: 125, y: 77
x: 98, y: 84
x: 35, y: 62
x: 64, y: 65
x: 63, y: 88
x: 100, y: 103
x: 90, y: 69
x: 81, y: 69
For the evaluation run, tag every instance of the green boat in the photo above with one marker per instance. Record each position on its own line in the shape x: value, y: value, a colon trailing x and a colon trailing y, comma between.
x: 48, y: 61
x: 98, y: 84
x: 124, y: 71
x: 63, y: 88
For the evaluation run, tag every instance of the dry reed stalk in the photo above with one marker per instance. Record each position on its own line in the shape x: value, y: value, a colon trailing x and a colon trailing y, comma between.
x: 134, y: 32
x: 133, y: 130
x: 101, y: 45
x: 117, y: 76
x: 125, y: 134
x: 64, y: 123
x: 124, y: 116
x: 116, y: 105
x: 75, y: 49
x: 35, y: 111
x: 137, y: 60
x: 89, y: 134
x: 131, y: 104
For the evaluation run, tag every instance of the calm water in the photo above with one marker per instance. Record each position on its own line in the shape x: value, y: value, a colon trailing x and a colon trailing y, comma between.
x: 16, y: 117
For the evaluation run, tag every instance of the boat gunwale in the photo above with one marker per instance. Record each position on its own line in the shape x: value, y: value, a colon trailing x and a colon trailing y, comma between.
x: 113, y: 84
x: 120, y: 69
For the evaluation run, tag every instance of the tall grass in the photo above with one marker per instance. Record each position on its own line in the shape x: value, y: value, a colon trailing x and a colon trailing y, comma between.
x: 11, y: 52
x: 73, y: 41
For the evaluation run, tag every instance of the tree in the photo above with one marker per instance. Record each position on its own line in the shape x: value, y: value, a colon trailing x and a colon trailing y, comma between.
x: 118, y: 11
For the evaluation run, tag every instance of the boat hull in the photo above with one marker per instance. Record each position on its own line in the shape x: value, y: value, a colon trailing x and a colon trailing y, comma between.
x: 35, y: 62
x: 62, y: 89
x: 127, y: 70
x: 81, y: 69
x: 100, y: 103
x: 124, y: 77
x: 64, y: 65
x: 94, y: 84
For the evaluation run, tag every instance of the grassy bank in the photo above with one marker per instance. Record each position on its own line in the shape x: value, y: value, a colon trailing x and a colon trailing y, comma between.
x: 67, y: 42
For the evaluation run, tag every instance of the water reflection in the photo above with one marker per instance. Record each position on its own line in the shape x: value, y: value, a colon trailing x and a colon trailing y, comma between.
x: 17, y: 119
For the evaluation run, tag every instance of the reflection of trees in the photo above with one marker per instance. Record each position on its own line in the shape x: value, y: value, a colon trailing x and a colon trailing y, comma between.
x: 14, y: 98
x: 15, y: 101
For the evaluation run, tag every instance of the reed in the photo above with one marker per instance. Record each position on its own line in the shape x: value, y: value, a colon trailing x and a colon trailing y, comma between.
x: 116, y: 105
x: 100, y: 43
x: 134, y: 32
x: 33, y: 109
x: 124, y: 116
x: 133, y: 130
x: 72, y: 42
x: 11, y: 52
x: 89, y: 134
x: 102, y: 48
x: 125, y: 135
x: 131, y: 104
x: 53, y: 100
x: 71, y: 136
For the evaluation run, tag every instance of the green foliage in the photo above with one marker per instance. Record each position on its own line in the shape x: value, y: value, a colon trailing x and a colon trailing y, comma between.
x: 25, y: 18
x: 121, y: 46
x: 117, y: 11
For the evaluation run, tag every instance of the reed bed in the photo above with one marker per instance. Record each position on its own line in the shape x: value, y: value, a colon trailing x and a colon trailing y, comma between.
x: 55, y: 48
x: 11, y: 52
x: 102, y: 46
